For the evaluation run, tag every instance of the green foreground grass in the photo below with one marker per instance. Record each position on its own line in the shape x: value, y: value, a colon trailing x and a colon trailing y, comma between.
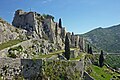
x: 9, y: 43
x: 113, y: 60
x: 103, y: 73
x: 49, y: 55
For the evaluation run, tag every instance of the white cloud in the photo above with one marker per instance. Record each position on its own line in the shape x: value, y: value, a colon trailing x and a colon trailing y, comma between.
x: 46, y: 1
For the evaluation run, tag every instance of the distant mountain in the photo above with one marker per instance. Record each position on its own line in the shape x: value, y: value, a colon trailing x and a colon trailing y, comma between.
x: 107, y: 39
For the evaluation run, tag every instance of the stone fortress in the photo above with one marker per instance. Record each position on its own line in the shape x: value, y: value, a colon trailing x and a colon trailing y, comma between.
x: 44, y: 26
x: 38, y: 33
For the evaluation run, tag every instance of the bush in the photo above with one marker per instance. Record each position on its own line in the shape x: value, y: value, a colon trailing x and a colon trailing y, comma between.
x: 12, y: 55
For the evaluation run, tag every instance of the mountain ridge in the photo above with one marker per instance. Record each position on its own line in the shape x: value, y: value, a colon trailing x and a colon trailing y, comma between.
x: 105, y: 38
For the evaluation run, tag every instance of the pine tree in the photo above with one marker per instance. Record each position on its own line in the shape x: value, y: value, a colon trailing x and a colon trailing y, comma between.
x: 67, y: 48
x: 101, y: 59
x: 56, y: 30
x: 72, y: 33
x: 60, y: 23
x: 90, y: 50
x: 75, y: 43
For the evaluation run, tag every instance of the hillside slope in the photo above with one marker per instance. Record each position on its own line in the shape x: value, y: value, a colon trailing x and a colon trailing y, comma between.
x: 105, y: 38
x: 39, y: 33
x: 9, y: 32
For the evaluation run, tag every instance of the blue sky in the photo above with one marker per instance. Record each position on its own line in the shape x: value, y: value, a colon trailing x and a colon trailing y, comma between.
x: 78, y: 16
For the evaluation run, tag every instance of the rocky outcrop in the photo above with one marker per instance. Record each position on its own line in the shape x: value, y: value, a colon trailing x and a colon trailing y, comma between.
x: 8, y: 32
x: 43, y: 27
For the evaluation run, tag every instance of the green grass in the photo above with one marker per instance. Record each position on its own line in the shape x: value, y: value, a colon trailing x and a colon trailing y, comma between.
x: 49, y: 55
x: 79, y: 57
x: 102, y: 73
x: 113, y: 60
x: 56, y: 53
x: 74, y: 48
x: 0, y: 78
x: 9, y: 43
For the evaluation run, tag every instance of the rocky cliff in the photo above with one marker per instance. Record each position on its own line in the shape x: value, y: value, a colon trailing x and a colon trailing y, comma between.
x: 44, y: 26
x: 9, y: 32
x: 43, y: 34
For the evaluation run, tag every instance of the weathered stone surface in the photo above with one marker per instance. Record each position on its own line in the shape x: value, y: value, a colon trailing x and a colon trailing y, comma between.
x: 31, y: 68
x: 74, y: 53
x: 40, y: 69
x: 9, y: 68
x: 39, y: 26
x: 7, y: 32
x: 24, y: 20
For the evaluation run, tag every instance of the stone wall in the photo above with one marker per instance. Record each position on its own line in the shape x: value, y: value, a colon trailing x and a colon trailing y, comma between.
x: 24, y: 20
x: 40, y: 69
x: 9, y: 68
x: 41, y: 27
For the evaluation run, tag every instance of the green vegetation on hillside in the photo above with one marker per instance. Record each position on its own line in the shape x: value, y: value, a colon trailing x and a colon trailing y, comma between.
x: 107, y: 39
x: 113, y: 60
x: 11, y: 51
x: 99, y: 73
x: 102, y: 73
x: 9, y: 43
x: 60, y: 70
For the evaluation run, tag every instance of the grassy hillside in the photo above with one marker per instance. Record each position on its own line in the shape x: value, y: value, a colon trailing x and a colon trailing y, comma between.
x: 105, y: 38
x: 103, y: 73
x: 9, y: 43
x: 113, y: 60
x: 97, y: 72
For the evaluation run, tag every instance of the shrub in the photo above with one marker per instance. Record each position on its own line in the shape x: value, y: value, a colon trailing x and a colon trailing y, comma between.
x: 12, y: 55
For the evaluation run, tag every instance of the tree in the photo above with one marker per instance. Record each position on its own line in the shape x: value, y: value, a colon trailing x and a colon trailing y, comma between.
x: 72, y: 33
x: 60, y: 23
x: 75, y: 43
x: 47, y: 16
x: 56, y: 30
x: 90, y: 50
x: 101, y: 59
x: 67, y: 48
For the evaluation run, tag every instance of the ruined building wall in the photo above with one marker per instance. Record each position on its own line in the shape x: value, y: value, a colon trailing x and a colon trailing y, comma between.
x: 45, y: 28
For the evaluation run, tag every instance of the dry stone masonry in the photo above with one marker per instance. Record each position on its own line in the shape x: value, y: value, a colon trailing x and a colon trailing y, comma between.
x: 32, y: 69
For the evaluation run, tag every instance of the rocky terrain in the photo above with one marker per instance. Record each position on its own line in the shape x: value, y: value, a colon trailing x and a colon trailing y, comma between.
x: 38, y: 39
x: 37, y: 35
x: 32, y: 48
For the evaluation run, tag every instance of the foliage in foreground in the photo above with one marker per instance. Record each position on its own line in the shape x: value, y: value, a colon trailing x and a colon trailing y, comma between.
x: 103, y: 73
x: 61, y: 70
x: 113, y: 60
x: 9, y: 43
